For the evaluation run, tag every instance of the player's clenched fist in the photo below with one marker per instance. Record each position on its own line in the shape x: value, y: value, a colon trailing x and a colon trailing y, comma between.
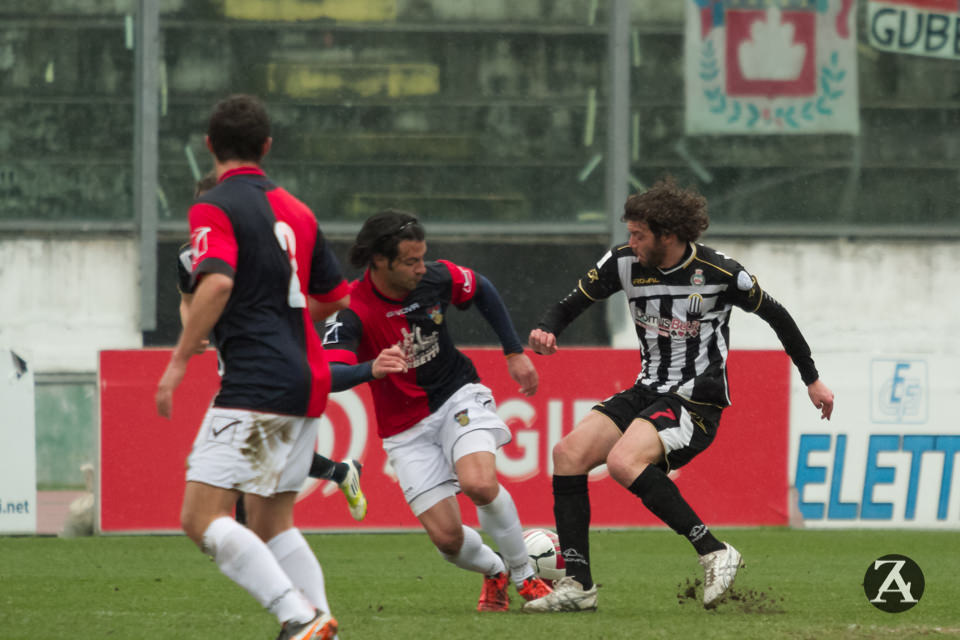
x: 543, y: 342
x: 390, y: 360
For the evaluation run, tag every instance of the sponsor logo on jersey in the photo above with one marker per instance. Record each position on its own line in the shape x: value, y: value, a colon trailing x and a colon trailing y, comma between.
x: 744, y: 281
x: 698, y: 279
x: 402, y: 312
x: 418, y: 348
x: 640, y: 281
x: 668, y: 327
x: 462, y: 418
x: 436, y: 315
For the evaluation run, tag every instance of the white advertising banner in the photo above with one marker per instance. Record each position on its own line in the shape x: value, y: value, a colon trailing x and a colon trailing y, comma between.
x: 916, y: 27
x: 18, y: 448
x: 888, y: 457
x: 771, y: 67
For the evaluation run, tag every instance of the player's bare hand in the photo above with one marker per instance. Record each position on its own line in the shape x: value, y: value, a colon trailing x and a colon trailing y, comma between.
x: 543, y: 342
x: 203, y: 346
x: 822, y: 398
x: 390, y: 360
x: 171, y: 379
x: 523, y: 373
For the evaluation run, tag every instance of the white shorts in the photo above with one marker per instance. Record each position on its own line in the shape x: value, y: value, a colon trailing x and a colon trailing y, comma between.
x: 424, y: 455
x: 253, y: 452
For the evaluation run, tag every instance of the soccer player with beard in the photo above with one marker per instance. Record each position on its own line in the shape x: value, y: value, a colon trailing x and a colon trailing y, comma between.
x: 680, y: 295
x: 439, y: 425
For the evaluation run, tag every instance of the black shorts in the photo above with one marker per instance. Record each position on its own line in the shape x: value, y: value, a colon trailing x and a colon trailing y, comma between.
x: 685, y: 428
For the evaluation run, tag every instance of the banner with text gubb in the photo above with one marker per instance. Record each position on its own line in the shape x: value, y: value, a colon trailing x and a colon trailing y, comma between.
x: 741, y: 479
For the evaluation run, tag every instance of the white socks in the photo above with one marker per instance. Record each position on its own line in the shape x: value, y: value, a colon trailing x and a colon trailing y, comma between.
x: 475, y: 555
x: 245, y: 559
x: 502, y: 522
x: 296, y: 558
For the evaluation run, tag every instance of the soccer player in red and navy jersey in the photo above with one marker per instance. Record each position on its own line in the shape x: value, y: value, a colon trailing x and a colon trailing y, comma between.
x: 346, y: 473
x: 439, y: 425
x: 262, y: 273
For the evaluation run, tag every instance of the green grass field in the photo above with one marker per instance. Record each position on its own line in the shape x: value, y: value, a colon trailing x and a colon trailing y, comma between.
x: 797, y: 584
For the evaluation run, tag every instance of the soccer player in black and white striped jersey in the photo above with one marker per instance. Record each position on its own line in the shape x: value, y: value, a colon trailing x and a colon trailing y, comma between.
x: 680, y: 295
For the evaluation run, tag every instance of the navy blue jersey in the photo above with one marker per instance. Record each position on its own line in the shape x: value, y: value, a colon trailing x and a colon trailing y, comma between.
x: 270, y: 244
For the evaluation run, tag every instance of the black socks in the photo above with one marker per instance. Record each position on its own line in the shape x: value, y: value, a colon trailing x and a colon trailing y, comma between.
x: 571, y: 510
x: 661, y: 496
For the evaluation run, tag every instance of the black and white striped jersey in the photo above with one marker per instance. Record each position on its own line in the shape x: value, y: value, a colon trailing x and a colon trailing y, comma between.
x: 681, y: 317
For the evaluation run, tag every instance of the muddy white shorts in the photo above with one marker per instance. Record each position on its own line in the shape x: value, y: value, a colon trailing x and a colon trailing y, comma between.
x: 423, y: 456
x: 253, y: 452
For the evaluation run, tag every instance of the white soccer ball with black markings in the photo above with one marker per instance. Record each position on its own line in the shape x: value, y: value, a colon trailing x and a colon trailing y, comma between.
x: 543, y: 547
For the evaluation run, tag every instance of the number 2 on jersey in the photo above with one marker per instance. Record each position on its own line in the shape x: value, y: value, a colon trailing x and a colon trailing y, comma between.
x: 288, y: 242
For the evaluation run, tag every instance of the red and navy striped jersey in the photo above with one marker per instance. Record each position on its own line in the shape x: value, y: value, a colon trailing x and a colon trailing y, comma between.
x: 270, y: 244
x: 374, y: 322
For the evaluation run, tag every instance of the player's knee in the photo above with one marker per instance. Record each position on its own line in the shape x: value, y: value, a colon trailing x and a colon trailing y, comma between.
x: 448, y: 541
x: 193, y: 526
x: 567, y: 460
x: 625, y: 464
x: 619, y: 466
x: 481, y: 491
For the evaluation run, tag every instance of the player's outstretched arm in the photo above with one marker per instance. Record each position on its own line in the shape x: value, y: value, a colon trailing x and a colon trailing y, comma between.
x: 543, y: 342
x: 523, y: 373
x: 822, y: 398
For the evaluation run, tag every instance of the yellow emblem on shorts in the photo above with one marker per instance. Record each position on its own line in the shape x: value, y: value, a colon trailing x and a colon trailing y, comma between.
x: 462, y: 418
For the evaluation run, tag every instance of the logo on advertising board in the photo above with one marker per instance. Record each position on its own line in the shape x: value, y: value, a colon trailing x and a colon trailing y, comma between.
x: 898, y: 390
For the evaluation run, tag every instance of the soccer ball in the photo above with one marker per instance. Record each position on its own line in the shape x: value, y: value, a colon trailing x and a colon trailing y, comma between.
x: 543, y: 547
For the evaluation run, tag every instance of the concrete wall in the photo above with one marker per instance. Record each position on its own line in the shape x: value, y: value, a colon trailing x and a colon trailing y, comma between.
x: 65, y: 299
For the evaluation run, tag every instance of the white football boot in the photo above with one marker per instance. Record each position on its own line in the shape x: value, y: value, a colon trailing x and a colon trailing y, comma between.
x: 719, y: 570
x: 568, y: 595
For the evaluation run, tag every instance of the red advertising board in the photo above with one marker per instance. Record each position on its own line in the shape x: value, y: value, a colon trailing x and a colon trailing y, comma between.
x: 740, y: 480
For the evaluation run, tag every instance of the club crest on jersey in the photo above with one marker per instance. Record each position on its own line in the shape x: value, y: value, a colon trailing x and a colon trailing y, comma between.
x: 198, y: 241
x: 436, y: 315
x: 593, y: 275
x: 694, y: 305
x: 698, y: 279
x: 462, y: 418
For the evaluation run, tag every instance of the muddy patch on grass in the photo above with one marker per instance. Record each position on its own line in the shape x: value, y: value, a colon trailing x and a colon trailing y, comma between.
x: 750, y: 601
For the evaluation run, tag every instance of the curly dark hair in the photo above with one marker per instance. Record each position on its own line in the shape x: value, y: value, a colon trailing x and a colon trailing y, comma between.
x: 668, y: 208
x: 382, y: 233
x: 238, y: 128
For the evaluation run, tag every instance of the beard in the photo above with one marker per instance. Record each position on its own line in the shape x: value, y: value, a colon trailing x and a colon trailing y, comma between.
x: 655, y: 256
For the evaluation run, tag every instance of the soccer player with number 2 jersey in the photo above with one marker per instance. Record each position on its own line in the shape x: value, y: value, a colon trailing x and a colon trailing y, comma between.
x: 680, y: 296
x: 262, y: 272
